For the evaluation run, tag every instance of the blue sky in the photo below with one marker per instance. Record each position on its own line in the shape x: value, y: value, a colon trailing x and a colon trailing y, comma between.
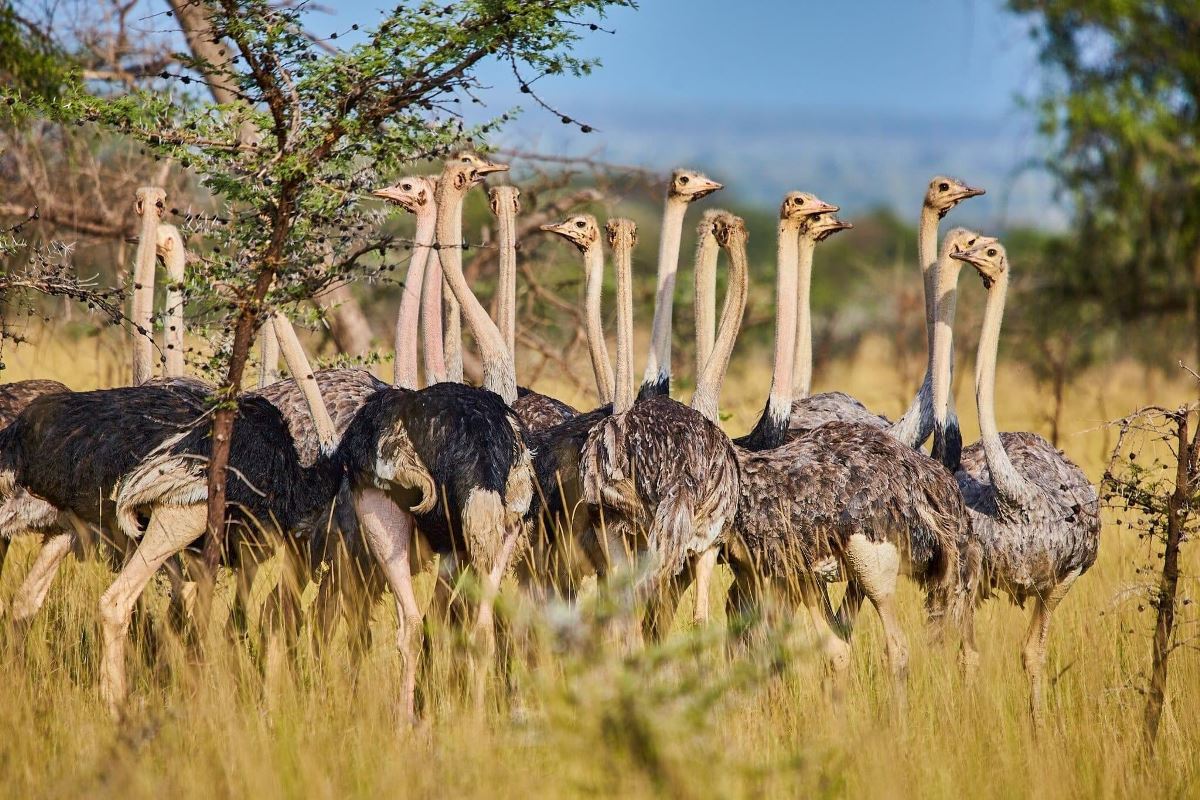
x: 870, y: 95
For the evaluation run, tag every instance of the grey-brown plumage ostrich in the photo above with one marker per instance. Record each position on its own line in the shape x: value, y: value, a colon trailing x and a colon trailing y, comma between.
x: 914, y: 427
x: 536, y: 410
x: 1035, y: 514
x: 847, y: 491
x: 18, y: 394
x: 685, y: 187
x: 660, y: 477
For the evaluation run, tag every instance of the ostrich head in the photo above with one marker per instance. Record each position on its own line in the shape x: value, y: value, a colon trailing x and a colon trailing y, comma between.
x: 581, y: 230
x: 945, y: 193
x: 958, y: 240
x: 467, y: 169
x: 988, y: 258
x: 689, y: 185
x: 727, y: 227
x: 821, y: 226
x: 412, y: 193
x: 155, y: 197
x: 501, y: 195
x: 798, y: 206
x: 621, y: 232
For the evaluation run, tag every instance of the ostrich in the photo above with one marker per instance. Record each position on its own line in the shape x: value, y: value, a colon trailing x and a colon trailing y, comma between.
x: 660, y: 478
x: 793, y: 248
x: 35, y: 501
x: 269, y: 491
x: 685, y: 187
x: 913, y: 428
x: 1033, y: 511
x: 15, y: 396
x: 822, y: 495
x: 453, y: 454
x: 537, y: 411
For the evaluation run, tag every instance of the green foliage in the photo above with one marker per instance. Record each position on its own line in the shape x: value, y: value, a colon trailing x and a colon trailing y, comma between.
x: 1121, y: 105
x: 323, y: 128
x: 27, y: 61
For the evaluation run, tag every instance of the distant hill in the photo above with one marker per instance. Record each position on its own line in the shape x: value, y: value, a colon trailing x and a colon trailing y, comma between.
x: 862, y: 160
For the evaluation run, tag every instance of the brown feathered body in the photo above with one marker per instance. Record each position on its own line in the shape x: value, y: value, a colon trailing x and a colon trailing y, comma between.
x: 15, y: 396
x: 1029, y: 546
x: 539, y: 412
x: 809, y: 413
x: 667, y: 473
x: 801, y: 502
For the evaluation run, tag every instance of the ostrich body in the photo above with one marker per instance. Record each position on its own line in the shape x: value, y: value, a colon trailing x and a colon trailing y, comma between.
x: 685, y: 187
x: 660, y: 477
x: 537, y: 411
x: 1034, y: 512
x: 913, y: 428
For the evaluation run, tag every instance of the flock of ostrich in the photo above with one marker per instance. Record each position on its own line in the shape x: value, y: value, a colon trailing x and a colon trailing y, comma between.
x: 364, y: 481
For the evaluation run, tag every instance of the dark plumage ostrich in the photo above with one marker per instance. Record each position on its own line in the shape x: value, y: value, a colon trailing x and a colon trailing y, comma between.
x: 1034, y: 513
x: 25, y: 509
x: 685, y: 187
x: 660, y: 477
x: 453, y: 454
x: 15, y: 396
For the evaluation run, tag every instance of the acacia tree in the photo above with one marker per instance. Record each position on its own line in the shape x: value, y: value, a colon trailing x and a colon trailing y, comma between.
x: 326, y: 124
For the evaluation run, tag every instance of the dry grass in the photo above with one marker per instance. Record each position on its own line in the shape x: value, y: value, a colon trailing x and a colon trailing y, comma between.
x: 680, y: 720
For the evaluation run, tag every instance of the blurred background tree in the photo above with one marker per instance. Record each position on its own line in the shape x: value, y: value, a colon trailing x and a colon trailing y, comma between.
x: 1120, y: 103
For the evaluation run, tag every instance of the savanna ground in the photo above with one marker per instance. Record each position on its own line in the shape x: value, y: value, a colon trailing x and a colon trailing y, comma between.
x: 680, y: 720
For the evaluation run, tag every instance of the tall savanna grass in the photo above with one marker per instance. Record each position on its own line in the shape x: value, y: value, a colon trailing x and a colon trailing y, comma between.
x: 680, y: 719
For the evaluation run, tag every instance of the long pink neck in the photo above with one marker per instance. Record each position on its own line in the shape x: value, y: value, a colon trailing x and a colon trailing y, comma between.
x: 407, y: 321
x: 173, y: 335
x: 431, y: 321
x: 498, y: 373
x: 142, y: 311
x: 658, y: 364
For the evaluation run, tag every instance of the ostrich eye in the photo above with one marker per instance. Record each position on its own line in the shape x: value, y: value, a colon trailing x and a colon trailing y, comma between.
x: 943, y: 187
x: 992, y: 252
x: 466, y: 160
x: 970, y: 242
x: 407, y: 187
x: 580, y: 224
x: 684, y: 179
x: 799, y: 201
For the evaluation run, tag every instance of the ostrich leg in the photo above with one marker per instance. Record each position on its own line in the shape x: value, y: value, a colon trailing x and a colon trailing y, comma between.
x: 32, y: 594
x: 876, y: 567
x: 389, y: 531
x: 171, y: 529
x: 1033, y: 656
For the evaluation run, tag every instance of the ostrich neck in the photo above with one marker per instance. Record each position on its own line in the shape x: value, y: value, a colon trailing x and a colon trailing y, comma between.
x: 452, y: 334
x: 498, y: 374
x: 173, y: 336
x: 593, y: 260
x: 947, y: 442
x: 707, y: 398
x: 431, y: 318
x: 914, y: 427
x: 622, y: 262
x: 1009, y: 484
x: 407, y: 320
x: 800, y: 250
x: 658, y: 365
x: 705, y: 296
x: 506, y: 285
x: 268, y: 356
x: 141, y: 311
x: 302, y: 373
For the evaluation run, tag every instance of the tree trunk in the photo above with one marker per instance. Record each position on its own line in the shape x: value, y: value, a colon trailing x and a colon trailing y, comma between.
x: 1164, y: 601
x: 347, y: 322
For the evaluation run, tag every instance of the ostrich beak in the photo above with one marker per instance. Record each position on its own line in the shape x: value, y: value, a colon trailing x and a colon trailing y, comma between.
x: 707, y: 187
x: 969, y: 256
x: 825, y: 208
x: 488, y: 167
x: 826, y: 228
x: 551, y: 227
x: 971, y: 191
x: 388, y: 193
